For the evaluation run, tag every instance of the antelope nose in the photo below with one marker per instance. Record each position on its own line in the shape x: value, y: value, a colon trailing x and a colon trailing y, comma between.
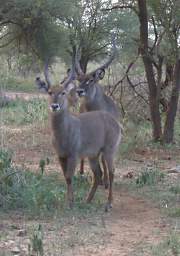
x: 80, y: 92
x: 54, y: 106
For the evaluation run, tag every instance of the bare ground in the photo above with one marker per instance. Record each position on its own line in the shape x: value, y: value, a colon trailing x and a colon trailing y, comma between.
x: 132, y: 223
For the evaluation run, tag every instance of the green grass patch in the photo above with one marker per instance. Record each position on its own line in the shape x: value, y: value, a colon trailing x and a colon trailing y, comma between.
x: 36, y: 242
x: 174, y: 212
x: 20, y: 112
x: 38, y: 193
x: 154, y: 185
x: 169, y: 247
x: 149, y: 177
x: 175, y: 189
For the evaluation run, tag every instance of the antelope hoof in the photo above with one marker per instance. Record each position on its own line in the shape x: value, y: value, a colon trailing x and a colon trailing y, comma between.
x: 108, y: 206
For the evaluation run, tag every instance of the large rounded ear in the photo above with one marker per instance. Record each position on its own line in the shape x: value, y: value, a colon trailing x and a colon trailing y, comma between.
x: 100, y: 74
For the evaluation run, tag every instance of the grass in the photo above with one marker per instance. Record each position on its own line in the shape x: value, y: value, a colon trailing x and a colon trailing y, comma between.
x: 36, y: 242
x: 136, y: 135
x: 149, y: 177
x: 37, y: 193
x: 155, y: 185
x: 169, y: 247
x: 20, y: 112
x: 17, y: 84
x: 12, y: 81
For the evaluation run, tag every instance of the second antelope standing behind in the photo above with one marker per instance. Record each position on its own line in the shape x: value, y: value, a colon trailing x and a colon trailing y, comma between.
x: 94, y: 96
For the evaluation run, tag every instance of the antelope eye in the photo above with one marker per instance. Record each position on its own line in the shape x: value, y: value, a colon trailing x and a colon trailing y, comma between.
x: 63, y: 93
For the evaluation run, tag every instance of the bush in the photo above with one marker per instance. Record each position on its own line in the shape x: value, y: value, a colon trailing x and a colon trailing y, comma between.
x: 149, y: 177
x: 22, y: 189
x: 36, y: 193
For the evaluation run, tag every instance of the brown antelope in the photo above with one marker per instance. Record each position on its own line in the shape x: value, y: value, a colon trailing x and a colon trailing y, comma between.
x: 94, y: 96
x: 90, y: 134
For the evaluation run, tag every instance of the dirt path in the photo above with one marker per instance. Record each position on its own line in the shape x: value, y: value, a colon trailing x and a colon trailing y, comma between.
x: 132, y: 223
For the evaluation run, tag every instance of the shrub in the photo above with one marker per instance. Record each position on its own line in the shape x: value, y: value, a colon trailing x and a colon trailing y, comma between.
x: 36, y: 193
x: 36, y: 242
x: 25, y: 190
x: 149, y: 177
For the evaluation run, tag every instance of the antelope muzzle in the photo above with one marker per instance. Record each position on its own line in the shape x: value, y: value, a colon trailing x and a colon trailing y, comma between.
x: 55, y: 107
x: 81, y: 92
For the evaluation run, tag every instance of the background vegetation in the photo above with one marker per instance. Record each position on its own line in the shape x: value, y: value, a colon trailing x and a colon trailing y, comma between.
x: 147, y: 64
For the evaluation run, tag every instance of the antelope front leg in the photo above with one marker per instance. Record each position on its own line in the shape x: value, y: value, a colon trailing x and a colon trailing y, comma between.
x: 68, y: 166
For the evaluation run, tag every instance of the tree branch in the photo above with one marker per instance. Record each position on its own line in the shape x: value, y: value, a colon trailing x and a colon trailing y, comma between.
x: 10, y: 41
x: 133, y: 87
x: 123, y: 6
x: 155, y: 33
x: 125, y: 75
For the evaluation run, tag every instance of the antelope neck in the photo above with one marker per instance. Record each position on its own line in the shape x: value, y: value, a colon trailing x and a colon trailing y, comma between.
x: 93, y: 101
x: 60, y: 120
x: 92, y: 96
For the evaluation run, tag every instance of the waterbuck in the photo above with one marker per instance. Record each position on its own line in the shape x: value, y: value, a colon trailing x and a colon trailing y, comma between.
x: 94, y: 96
x: 90, y: 135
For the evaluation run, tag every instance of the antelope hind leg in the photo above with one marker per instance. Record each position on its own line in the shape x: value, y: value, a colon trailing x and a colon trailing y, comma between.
x: 95, y: 166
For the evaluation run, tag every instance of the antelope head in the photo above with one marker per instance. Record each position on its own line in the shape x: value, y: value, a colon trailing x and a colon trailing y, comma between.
x: 87, y: 82
x: 60, y: 97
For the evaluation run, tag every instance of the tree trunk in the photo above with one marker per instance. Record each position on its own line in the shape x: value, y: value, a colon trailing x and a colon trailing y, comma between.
x: 83, y: 63
x: 153, y: 93
x: 173, y: 104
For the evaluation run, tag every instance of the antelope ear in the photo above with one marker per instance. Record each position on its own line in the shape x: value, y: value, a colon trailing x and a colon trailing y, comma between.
x: 99, y: 75
x: 41, y: 84
x: 69, y: 87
